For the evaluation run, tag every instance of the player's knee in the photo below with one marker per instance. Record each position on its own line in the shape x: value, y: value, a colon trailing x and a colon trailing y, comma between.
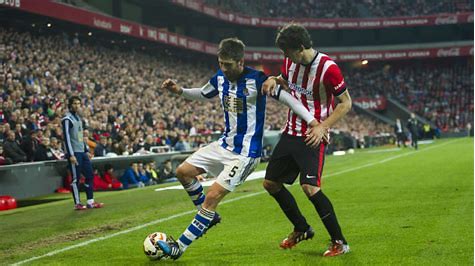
x: 271, y: 186
x: 310, y: 190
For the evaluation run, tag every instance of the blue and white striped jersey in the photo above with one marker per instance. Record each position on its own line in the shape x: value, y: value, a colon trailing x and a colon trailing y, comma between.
x: 244, y: 109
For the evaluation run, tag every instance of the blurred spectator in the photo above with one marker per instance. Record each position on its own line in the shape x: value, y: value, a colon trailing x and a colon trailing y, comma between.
x: 399, y: 132
x: 131, y: 177
x: 149, y: 142
x: 30, y: 144
x: 101, y: 149
x: 152, y: 173
x: 12, y: 150
x: 182, y: 144
x: 144, y: 178
x: 110, y: 178
x: 89, y: 141
x: 56, y: 150
x: 3, y: 133
x: 43, y: 151
x: 4, y: 160
x: 19, y: 133
x: 166, y: 170
x: 99, y: 183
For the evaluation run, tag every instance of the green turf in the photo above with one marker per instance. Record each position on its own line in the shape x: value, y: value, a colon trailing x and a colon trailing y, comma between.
x: 398, y: 207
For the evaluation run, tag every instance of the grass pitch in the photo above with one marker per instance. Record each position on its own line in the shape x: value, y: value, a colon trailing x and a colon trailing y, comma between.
x: 395, y: 207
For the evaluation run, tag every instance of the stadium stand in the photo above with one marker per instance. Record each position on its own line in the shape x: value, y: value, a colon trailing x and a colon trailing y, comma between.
x: 340, y: 9
x: 123, y: 103
x: 441, y: 92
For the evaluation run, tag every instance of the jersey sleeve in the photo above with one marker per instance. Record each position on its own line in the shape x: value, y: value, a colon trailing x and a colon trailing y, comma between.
x: 67, y: 125
x: 210, y: 90
x: 334, y: 80
x: 261, y: 78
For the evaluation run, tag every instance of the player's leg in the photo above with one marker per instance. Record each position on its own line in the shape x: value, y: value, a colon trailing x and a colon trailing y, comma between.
x: 204, y: 217
x: 203, y: 160
x: 282, y: 168
x: 236, y: 169
x: 415, y: 139
x: 310, y: 180
x: 287, y: 204
x: 86, y: 166
x: 75, y: 173
x: 186, y: 174
x: 199, y: 224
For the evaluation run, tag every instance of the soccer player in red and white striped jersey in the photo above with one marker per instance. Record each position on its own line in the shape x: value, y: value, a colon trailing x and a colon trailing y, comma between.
x: 316, y: 81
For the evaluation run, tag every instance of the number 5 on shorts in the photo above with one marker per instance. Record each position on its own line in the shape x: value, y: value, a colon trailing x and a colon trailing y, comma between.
x: 232, y: 173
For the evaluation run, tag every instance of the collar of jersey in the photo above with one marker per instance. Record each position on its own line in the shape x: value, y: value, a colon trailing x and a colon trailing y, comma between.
x: 311, y: 62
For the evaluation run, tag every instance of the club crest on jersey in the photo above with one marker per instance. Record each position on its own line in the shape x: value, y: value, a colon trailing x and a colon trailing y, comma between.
x: 245, y: 91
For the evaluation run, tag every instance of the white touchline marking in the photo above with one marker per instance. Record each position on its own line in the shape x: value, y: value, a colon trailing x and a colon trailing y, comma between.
x: 85, y: 243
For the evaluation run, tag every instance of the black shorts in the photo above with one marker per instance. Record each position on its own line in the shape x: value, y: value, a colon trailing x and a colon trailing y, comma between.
x: 292, y: 157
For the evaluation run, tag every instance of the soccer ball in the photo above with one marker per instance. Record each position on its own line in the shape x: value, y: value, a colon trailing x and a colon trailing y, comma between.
x: 149, y: 246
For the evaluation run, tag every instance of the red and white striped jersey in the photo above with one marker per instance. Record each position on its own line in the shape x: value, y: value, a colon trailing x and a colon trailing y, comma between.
x: 315, y: 85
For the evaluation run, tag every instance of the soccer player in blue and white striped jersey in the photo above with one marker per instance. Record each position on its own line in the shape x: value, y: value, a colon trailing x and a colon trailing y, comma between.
x: 237, y: 153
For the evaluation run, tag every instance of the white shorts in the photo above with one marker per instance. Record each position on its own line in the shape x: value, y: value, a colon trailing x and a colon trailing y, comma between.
x: 230, y: 169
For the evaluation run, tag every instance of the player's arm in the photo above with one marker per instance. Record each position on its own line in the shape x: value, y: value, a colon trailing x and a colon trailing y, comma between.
x: 341, y: 109
x: 271, y: 86
x: 298, y: 108
x: 205, y: 93
x: 67, y: 125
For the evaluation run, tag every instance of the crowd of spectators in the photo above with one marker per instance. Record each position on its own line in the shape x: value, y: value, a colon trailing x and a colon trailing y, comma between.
x: 440, y: 92
x: 340, y: 9
x: 122, y: 102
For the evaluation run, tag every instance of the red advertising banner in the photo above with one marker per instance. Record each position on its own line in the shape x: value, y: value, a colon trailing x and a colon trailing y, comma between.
x: 378, y: 103
x: 340, y: 23
x: 384, y: 55
x: 85, y: 17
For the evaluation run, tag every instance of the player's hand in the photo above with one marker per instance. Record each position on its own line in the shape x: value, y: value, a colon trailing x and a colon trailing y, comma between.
x: 171, y: 85
x: 73, y: 160
x: 316, y: 133
x: 90, y: 155
x: 268, y: 87
x: 283, y: 83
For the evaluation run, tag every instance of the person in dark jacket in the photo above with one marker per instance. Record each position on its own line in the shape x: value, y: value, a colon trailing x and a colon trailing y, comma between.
x: 101, y: 149
x: 413, y: 126
x: 12, y: 150
x: 399, y: 132
x: 30, y: 145
x: 43, y: 151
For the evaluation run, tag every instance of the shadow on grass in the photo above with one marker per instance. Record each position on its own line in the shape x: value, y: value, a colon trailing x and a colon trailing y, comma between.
x: 30, y: 202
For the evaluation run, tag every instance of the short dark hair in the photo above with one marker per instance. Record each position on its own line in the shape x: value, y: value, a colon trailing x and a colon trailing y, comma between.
x: 231, y: 48
x: 72, y: 99
x: 293, y: 36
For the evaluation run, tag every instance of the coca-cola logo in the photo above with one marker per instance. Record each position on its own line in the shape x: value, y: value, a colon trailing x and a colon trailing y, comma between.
x: 448, y: 52
x: 453, y: 19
